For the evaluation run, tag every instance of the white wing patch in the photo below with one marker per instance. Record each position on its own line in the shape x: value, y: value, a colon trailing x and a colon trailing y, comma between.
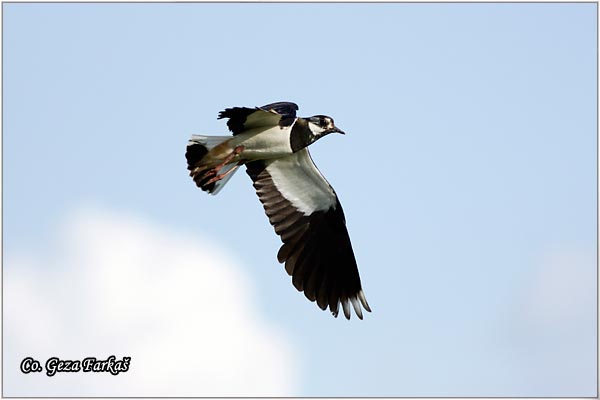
x: 298, y: 180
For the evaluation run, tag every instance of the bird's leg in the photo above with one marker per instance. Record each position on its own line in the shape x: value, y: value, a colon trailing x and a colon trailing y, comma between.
x: 221, y: 176
x: 226, y: 160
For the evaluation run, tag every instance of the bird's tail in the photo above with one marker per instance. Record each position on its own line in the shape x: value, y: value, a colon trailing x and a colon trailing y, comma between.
x: 205, y: 153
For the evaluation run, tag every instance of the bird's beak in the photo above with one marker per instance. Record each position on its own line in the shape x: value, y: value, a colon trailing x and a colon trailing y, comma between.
x: 338, y: 130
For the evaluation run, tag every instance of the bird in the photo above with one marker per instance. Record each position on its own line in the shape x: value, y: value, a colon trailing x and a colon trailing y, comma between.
x: 272, y: 142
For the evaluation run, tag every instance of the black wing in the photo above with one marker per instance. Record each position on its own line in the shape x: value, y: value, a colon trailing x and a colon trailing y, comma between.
x: 243, y: 118
x: 306, y: 213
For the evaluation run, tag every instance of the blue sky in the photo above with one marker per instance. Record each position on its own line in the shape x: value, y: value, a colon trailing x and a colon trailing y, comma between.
x: 467, y: 175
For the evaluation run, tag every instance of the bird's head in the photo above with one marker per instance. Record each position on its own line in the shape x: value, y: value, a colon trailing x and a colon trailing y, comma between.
x: 321, y: 125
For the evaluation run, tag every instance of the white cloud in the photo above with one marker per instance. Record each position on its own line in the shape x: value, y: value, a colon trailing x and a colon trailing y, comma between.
x: 176, y: 304
x: 563, y: 290
x: 554, y: 326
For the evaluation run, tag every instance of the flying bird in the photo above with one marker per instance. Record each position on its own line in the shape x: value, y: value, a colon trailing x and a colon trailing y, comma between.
x: 272, y: 142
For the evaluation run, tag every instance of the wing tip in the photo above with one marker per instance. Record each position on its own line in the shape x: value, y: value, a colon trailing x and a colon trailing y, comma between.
x: 346, y: 307
x: 356, y: 301
x: 356, y: 307
x: 363, y: 300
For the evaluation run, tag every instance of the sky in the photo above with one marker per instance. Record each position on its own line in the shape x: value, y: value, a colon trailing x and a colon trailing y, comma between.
x: 468, y: 176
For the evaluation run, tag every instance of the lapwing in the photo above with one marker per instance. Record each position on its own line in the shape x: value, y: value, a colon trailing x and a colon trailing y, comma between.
x: 272, y: 142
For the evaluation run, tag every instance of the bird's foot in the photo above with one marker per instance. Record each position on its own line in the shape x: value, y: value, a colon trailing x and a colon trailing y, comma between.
x: 214, y: 172
x: 228, y: 159
x: 221, y: 176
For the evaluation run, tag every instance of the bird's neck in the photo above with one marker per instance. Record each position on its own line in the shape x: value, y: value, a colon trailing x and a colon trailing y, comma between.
x: 301, y: 135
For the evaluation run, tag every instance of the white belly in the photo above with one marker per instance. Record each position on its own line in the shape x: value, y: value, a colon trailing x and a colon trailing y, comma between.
x: 260, y: 144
